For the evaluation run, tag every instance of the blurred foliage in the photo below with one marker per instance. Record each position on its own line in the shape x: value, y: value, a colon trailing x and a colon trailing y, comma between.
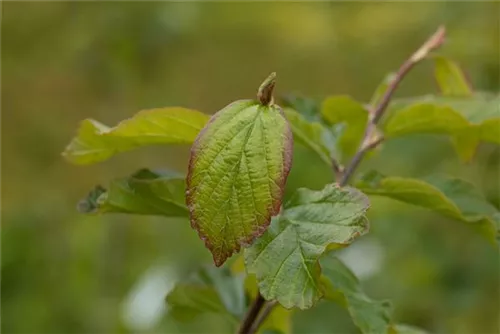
x: 65, y: 61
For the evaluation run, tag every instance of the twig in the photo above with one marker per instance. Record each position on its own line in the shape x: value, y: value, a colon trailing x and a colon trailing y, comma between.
x: 372, y: 138
x: 251, y: 316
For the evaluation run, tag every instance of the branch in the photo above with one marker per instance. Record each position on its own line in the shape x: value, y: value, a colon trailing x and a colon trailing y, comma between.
x: 372, y: 138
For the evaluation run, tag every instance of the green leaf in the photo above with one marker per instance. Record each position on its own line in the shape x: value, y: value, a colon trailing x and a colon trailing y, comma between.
x: 449, y: 196
x: 96, y: 142
x: 425, y: 118
x: 450, y: 78
x: 342, y: 286
x: 306, y: 107
x: 465, y: 143
x: 343, y: 110
x: 310, y: 134
x: 467, y: 120
x: 145, y: 192
x: 285, y: 258
x: 237, y: 172
x: 210, y: 290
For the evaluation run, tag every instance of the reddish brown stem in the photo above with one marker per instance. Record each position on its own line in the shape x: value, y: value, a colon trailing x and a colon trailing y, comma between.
x: 371, y: 138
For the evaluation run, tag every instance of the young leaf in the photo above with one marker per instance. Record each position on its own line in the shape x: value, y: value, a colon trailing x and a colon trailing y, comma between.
x: 309, y: 134
x: 450, y: 78
x: 342, y: 286
x: 449, y: 196
x: 425, y: 118
x: 467, y: 120
x: 145, y: 192
x: 208, y: 291
x: 96, y: 142
x: 344, y: 110
x: 308, y: 108
x: 285, y: 258
x: 237, y: 173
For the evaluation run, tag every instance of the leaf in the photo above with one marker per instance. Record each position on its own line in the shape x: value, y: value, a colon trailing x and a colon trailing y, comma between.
x: 310, y: 134
x: 342, y: 286
x: 210, y: 290
x: 467, y: 120
x: 337, y: 110
x: 425, y: 118
x: 306, y: 107
x: 285, y: 258
x: 449, y: 196
x: 450, y: 78
x: 465, y: 143
x: 96, y: 142
x: 237, y: 172
x: 145, y: 192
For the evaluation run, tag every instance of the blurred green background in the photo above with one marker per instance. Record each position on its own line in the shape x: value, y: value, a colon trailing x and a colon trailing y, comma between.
x: 63, y: 272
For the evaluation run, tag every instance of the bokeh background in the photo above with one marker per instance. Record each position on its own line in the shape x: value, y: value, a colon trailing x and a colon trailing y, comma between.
x: 63, y: 272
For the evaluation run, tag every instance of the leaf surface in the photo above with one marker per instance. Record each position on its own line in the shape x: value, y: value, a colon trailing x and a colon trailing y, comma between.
x: 285, y: 258
x: 467, y: 120
x: 310, y: 134
x: 450, y: 78
x: 145, y: 192
x: 343, y: 110
x: 96, y: 142
x: 342, y: 286
x: 449, y: 196
x: 210, y: 290
x: 237, y: 172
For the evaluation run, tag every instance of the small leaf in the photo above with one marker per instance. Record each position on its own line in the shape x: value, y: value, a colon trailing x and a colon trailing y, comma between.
x: 308, y: 108
x: 425, y: 118
x: 96, y: 142
x: 208, y: 291
x: 449, y: 196
x: 145, y: 192
x: 467, y: 120
x: 285, y: 258
x: 237, y: 172
x: 450, y: 78
x: 337, y: 110
x: 342, y: 286
x: 310, y: 134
